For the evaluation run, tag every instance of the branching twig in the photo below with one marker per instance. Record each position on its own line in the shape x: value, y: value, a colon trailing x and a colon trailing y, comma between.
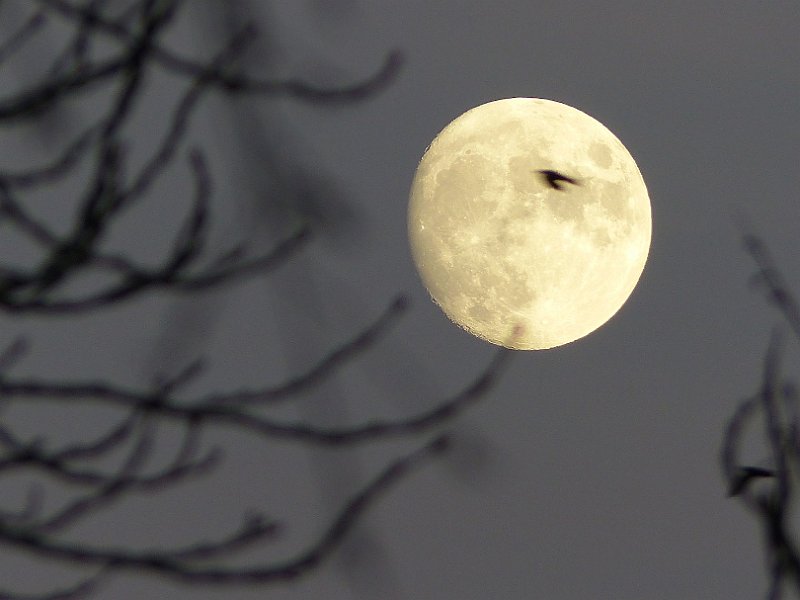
x: 778, y: 409
x: 235, y: 82
x: 174, y: 563
x: 119, y: 459
x: 224, y: 414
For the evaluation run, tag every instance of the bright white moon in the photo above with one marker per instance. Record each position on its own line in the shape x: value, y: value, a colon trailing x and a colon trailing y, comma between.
x: 511, y: 256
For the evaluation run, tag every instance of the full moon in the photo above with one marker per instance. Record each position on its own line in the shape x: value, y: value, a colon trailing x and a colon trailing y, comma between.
x: 529, y: 223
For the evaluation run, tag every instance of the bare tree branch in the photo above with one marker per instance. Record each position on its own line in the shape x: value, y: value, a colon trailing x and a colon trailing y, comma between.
x: 777, y: 406
x: 220, y: 413
x: 20, y: 37
x: 80, y: 479
x: 82, y: 589
x: 236, y: 82
x: 174, y: 563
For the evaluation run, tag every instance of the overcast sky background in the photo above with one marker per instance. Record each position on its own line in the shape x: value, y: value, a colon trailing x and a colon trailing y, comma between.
x: 591, y: 470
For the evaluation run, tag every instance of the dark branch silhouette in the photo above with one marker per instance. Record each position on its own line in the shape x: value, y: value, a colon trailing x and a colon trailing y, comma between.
x: 775, y: 406
x: 119, y: 459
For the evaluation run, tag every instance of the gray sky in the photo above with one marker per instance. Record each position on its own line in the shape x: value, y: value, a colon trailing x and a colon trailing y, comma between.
x: 591, y: 471
x: 605, y: 480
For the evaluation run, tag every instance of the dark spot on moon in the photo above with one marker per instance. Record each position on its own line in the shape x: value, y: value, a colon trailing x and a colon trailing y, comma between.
x: 601, y: 155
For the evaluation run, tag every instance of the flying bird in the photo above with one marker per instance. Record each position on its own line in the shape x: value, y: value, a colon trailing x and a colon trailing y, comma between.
x: 554, y: 179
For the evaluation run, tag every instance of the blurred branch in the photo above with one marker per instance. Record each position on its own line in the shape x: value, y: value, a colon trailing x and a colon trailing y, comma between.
x: 217, y: 411
x: 20, y: 37
x: 81, y: 479
x: 22, y: 291
x: 177, y: 563
x: 771, y: 279
x: 28, y: 292
x: 776, y: 405
x: 55, y: 170
x: 32, y: 102
x: 127, y: 479
x: 82, y: 589
x: 236, y: 82
x: 11, y: 209
x: 321, y: 370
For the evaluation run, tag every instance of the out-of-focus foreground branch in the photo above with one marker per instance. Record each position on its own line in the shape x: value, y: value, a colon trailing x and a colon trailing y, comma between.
x: 770, y: 490
x: 115, y: 52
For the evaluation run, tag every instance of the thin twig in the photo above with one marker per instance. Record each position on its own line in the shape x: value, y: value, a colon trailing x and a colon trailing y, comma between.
x: 20, y: 37
x: 171, y: 563
x: 223, y: 414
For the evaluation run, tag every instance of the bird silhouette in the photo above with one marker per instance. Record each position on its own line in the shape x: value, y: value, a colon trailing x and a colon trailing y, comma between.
x: 554, y: 179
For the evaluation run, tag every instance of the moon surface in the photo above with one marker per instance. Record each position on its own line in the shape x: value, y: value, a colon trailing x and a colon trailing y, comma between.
x: 511, y: 257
